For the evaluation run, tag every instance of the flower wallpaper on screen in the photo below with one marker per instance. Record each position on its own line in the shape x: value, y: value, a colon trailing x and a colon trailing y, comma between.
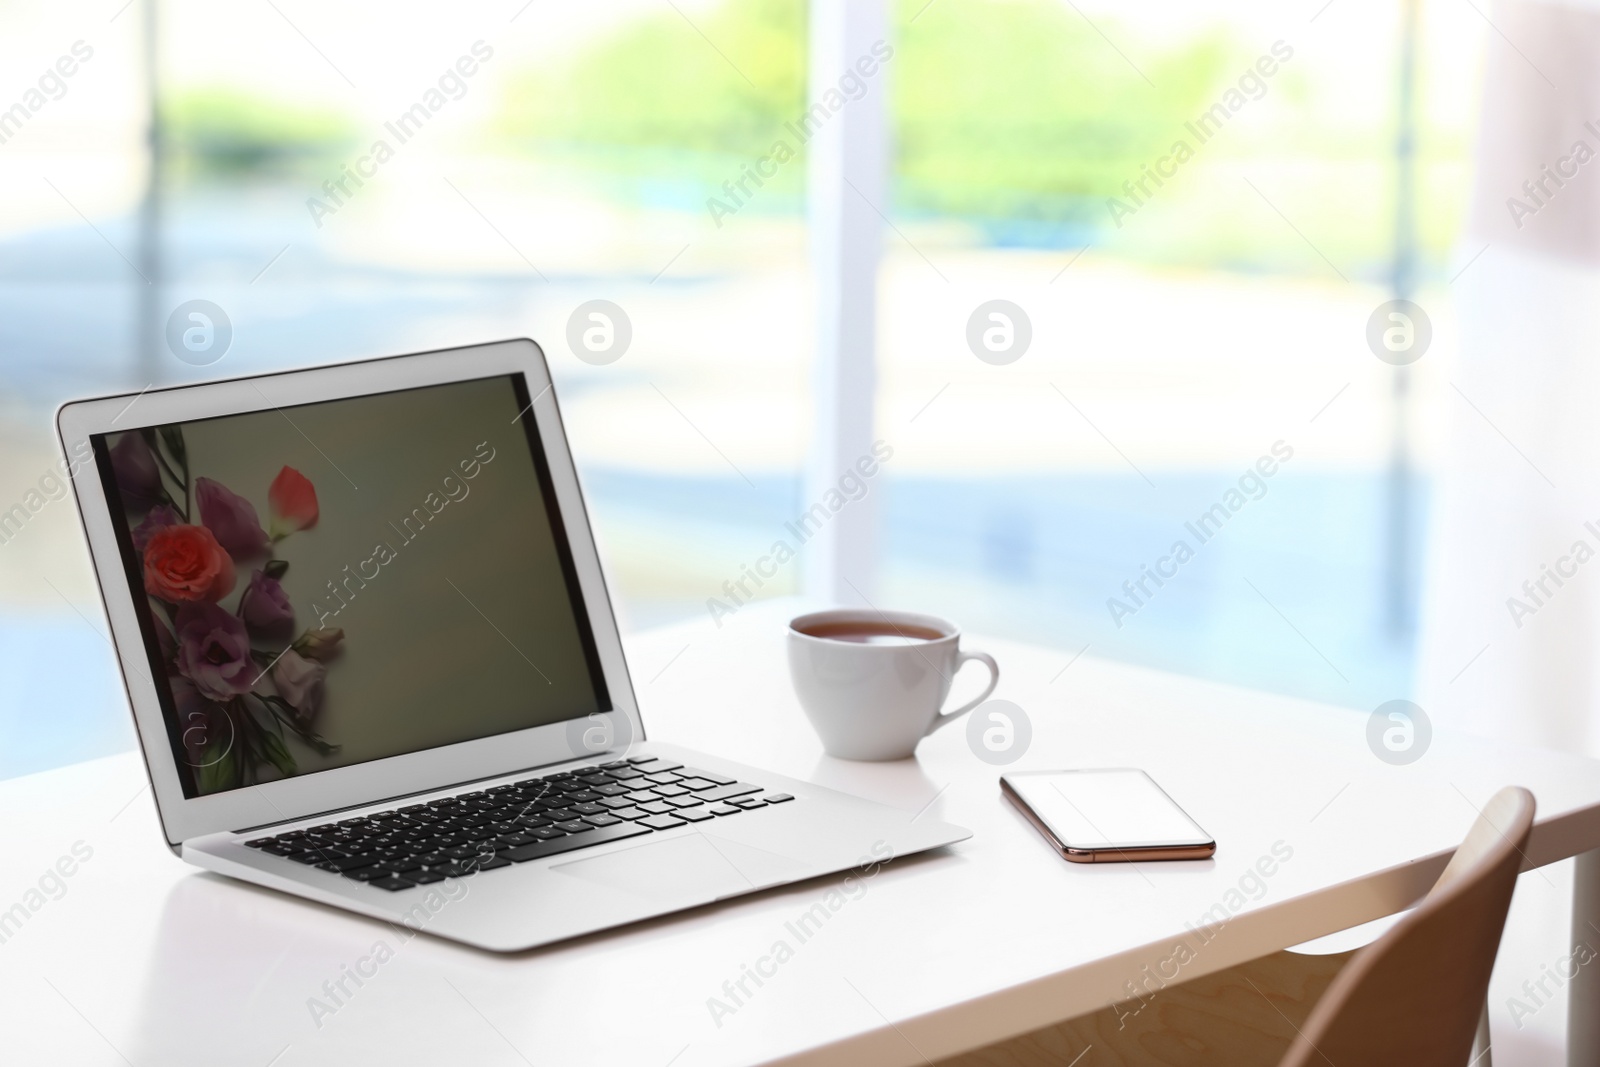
x: 245, y: 671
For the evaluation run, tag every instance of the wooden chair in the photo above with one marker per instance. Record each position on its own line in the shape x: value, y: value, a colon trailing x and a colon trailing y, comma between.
x: 1413, y: 998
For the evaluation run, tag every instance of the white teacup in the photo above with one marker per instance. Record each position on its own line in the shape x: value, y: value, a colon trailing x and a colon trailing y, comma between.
x: 873, y: 682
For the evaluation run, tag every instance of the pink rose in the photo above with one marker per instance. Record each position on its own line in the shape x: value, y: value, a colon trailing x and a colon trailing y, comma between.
x: 185, y: 563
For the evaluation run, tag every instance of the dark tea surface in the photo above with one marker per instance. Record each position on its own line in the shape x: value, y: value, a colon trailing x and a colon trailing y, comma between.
x: 871, y: 633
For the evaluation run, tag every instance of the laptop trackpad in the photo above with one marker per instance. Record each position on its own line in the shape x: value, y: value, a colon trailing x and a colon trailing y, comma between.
x: 692, y: 867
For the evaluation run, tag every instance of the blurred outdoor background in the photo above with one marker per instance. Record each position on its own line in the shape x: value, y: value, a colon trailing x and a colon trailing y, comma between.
x: 1169, y: 353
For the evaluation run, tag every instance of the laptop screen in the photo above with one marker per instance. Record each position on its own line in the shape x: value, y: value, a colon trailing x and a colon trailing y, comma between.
x: 332, y: 583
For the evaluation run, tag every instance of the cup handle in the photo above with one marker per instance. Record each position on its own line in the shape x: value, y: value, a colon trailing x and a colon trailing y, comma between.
x: 994, y: 679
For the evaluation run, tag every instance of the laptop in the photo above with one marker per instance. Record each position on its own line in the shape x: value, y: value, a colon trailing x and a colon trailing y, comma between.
x: 372, y: 661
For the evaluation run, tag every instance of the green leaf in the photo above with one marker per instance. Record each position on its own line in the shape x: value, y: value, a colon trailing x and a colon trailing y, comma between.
x: 275, y: 568
x: 217, y: 776
x: 278, y: 753
x: 173, y: 436
x: 291, y: 718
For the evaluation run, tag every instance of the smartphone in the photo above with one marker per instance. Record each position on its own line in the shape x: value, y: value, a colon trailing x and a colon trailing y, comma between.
x: 1106, y: 816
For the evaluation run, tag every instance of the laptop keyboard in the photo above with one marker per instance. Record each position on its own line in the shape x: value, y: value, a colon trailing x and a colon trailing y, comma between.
x: 488, y: 829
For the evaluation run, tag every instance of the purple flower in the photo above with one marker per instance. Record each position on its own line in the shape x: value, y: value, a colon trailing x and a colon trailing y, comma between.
x: 265, y: 608
x: 231, y: 518
x: 160, y: 515
x: 214, y: 651
x: 300, y: 682
x: 138, y: 476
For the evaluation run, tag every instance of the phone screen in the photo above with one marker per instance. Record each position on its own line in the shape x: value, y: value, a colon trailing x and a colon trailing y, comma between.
x: 1106, y: 809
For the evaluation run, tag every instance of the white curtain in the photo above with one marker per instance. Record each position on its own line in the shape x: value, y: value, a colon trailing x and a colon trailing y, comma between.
x: 1521, y: 475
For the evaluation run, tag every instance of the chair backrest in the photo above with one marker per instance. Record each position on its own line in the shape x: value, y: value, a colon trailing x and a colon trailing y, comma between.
x: 1413, y: 997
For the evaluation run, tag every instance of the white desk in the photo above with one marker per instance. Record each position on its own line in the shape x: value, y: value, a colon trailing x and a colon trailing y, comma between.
x: 145, y: 958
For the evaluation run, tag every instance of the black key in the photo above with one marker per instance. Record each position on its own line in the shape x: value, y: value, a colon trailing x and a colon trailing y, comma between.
x: 778, y: 798
x: 660, y: 822
x: 588, y: 809
x: 501, y: 789
x: 512, y: 840
x: 684, y: 802
x: 540, y: 849
x: 721, y: 809
x: 400, y: 865
x: 259, y: 842
x: 462, y: 852
x: 393, y: 883
x: 425, y: 877
x: 690, y: 772
x: 641, y: 759
x: 546, y: 833
x: 655, y: 766
x: 612, y: 790
x: 314, y: 856
x: 352, y: 822
x: 700, y: 814
x: 576, y: 826
x: 368, y: 874
x: 472, y: 795
x: 601, y: 820
x: 697, y: 783
x: 595, y: 779
x: 408, y: 809
x: 533, y: 822
x: 723, y: 792
x: 347, y: 863
x: 656, y: 807
x: 629, y: 813
x: 583, y: 796
x: 326, y: 827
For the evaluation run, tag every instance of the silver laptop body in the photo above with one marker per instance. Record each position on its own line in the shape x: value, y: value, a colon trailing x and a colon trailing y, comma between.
x: 372, y: 661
